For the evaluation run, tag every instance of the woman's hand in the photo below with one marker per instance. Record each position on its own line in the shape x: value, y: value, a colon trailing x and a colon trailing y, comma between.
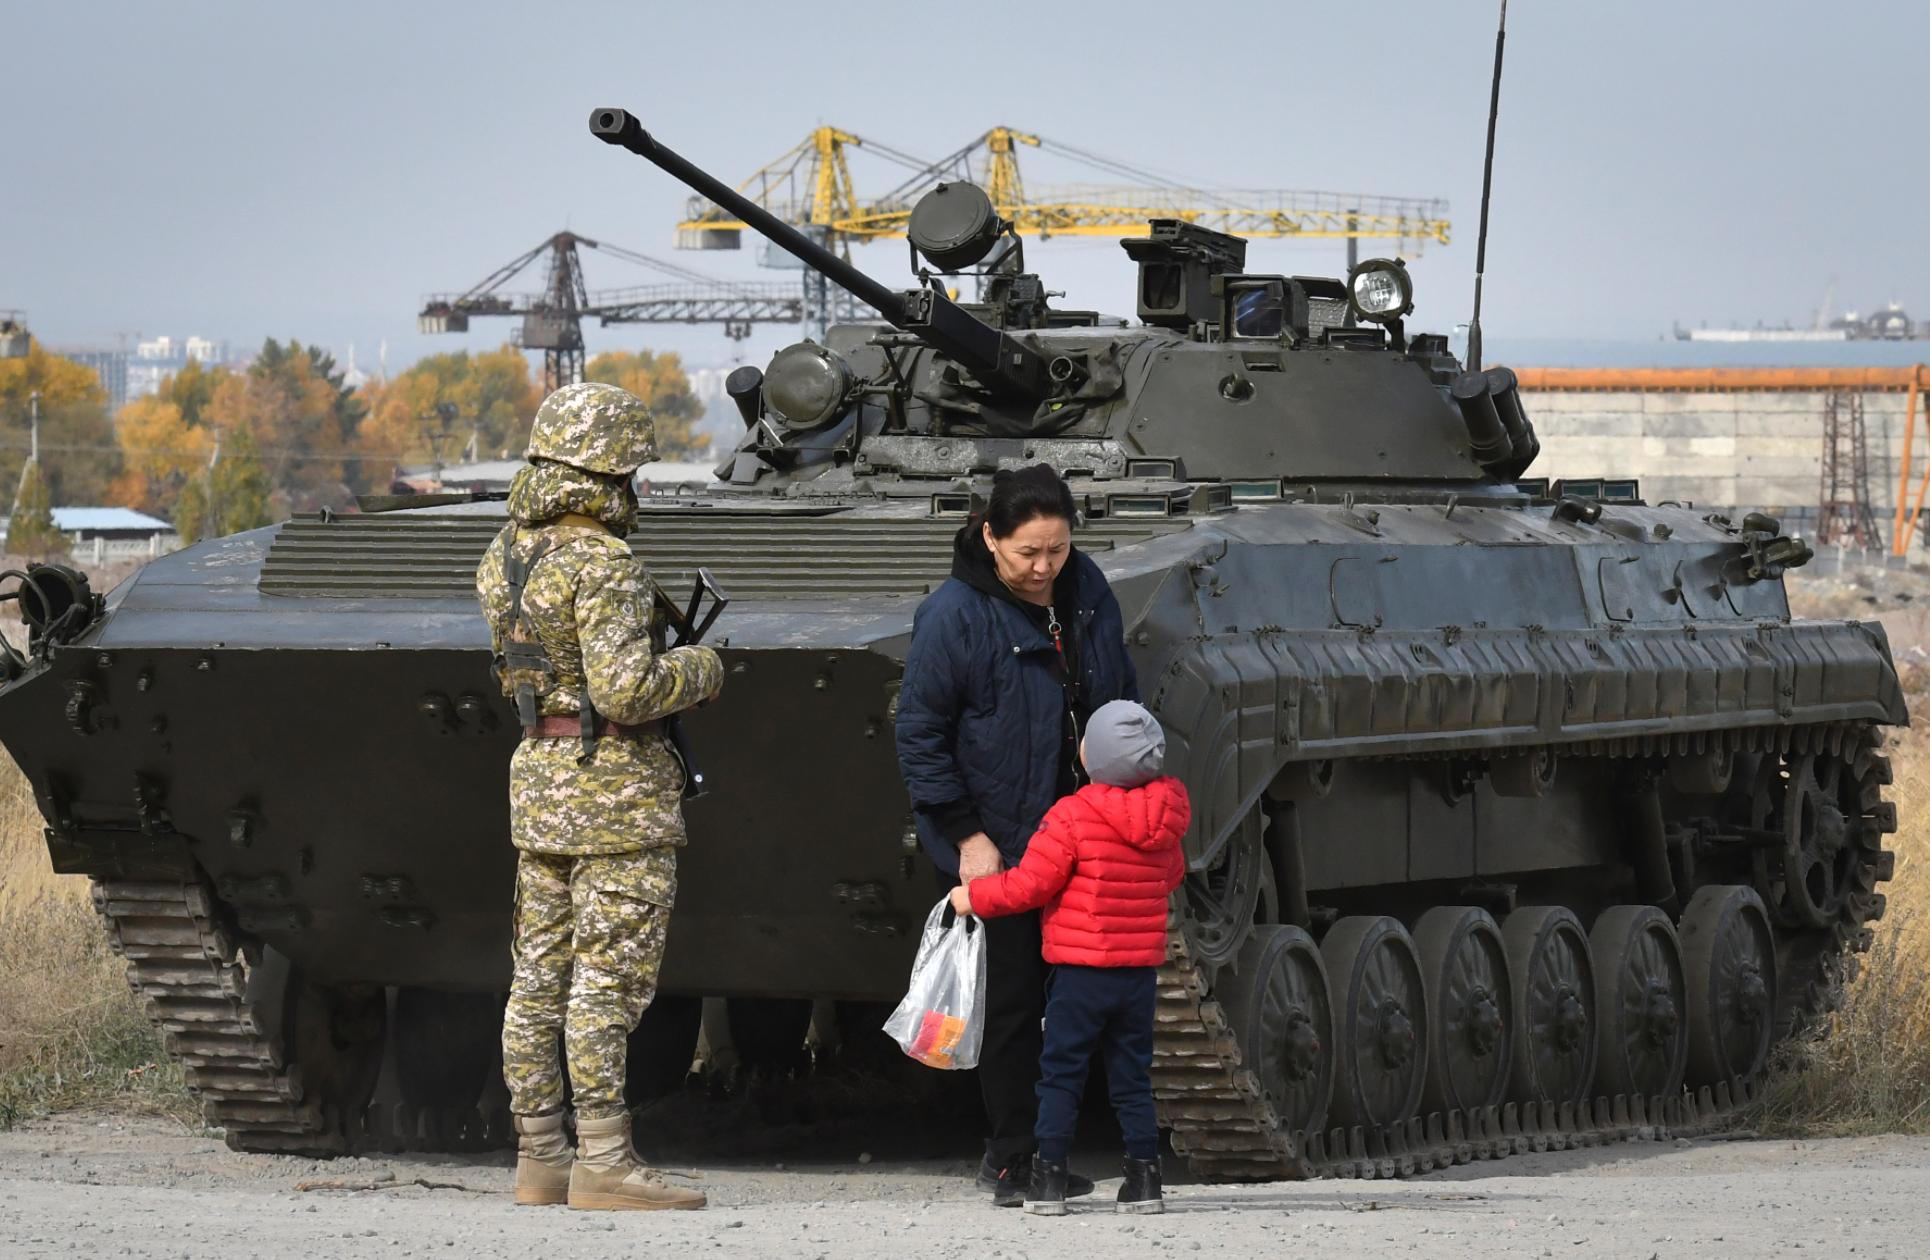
x: 977, y: 858
x: 961, y: 901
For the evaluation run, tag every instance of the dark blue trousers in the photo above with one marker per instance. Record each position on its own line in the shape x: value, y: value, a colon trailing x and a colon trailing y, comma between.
x: 1106, y: 1011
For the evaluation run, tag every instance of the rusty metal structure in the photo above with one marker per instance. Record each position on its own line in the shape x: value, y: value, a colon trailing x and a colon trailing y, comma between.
x: 1844, y: 512
x: 15, y: 340
x: 1522, y: 816
x: 552, y: 320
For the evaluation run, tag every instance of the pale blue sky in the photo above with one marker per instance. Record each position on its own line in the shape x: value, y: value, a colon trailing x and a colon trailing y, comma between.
x: 241, y: 170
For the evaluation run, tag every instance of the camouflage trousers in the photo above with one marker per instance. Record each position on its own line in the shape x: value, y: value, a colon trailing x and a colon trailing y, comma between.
x: 589, y: 942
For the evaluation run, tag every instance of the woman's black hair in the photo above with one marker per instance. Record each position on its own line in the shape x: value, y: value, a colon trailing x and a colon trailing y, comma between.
x: 1023, y: 494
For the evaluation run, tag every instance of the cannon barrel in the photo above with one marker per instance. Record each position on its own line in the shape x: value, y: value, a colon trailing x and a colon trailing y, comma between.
x: 1002, y: 363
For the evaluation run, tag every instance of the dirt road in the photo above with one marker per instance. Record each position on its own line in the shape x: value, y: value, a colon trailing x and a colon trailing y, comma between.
x: 89, y: 1187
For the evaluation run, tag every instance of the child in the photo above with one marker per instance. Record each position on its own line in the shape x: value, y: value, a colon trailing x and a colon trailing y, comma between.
x: 1102, y: 864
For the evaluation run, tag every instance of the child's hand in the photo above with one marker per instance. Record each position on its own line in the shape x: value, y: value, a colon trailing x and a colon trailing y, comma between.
x: 961, y: 901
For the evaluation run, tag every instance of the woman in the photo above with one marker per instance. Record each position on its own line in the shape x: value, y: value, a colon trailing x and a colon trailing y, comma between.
x: 1008, y: 658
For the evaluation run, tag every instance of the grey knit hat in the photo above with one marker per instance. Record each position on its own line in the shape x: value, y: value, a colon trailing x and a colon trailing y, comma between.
x: 1124, y: 746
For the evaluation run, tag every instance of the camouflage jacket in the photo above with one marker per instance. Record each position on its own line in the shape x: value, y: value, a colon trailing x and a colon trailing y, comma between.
x: 588, y: 603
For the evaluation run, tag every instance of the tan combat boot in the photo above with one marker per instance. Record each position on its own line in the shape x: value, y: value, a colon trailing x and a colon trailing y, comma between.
x: 543, y: 1158
x: 608, y: 1174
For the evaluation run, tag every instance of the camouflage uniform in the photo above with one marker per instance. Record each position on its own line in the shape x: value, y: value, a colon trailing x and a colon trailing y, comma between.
x: 598, y: 822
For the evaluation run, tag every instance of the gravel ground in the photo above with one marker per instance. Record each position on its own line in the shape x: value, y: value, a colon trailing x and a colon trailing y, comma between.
x: 81, y: 1186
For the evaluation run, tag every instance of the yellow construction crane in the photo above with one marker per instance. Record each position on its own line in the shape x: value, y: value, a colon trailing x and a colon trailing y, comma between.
x: 811, y: 186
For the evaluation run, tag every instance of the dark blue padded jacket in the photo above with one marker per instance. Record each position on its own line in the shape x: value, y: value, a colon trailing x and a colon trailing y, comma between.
x: 981, y: 709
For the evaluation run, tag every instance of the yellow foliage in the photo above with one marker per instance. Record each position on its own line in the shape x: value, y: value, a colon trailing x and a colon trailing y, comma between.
x: 78, y: 458
x: 160, y: 451
x: 493, y: 395
x: 58, y: 381
x: 659, y: 380
x: 192, y: 389
x: 289, y: 412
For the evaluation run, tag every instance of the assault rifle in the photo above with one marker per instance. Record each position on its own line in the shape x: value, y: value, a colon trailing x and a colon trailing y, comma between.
x: 687, y: 625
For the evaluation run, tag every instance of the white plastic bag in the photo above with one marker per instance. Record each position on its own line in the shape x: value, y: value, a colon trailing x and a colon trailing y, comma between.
x: 941, y: 1022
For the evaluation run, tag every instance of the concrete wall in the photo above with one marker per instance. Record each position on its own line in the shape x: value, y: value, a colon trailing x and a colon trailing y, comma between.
x: 1753, y: 449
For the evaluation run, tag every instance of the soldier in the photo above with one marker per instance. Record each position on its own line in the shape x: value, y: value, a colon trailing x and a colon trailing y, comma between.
x: 595, y: 791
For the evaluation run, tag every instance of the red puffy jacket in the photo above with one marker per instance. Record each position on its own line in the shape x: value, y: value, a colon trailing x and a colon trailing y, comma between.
x: 1104, y: 859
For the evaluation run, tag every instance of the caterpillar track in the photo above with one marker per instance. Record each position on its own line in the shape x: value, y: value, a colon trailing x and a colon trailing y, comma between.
x: 1224, y: 1125
x: 208, y: 994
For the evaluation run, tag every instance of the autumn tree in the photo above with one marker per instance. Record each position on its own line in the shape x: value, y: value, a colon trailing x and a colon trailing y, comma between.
x: 161, y: 448
x: 30, y: 529
x: 229, y: 497
x: 78, y: 457
x: 659, y: 380
x: 347, y: 403
x: 492, y: 393
x: 291, y: 406
x: 192, y: 389
x: 166, y: 438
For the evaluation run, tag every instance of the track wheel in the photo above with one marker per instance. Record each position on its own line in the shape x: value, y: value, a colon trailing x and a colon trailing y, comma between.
x: 1469, y: 1002
x: 1530, y: 773
x: 1380, y: 1021
x: 1554, y: 999
x: 1642, y: 1042
x: 1275, y: 999
x: 1222, y: 900
x: 1729, y: 959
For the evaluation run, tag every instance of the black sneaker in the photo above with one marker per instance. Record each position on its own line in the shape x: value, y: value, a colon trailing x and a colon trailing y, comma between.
x: 1140, y: 1191
x: 1046, y: 1196
x: 988, y: 1180
x: 1014, y: 1179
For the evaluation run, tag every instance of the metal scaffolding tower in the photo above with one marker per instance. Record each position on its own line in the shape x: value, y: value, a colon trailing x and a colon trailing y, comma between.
x: 1844, y: 512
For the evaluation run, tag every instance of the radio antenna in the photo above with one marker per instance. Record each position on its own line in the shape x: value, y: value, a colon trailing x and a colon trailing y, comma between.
x: 1487, y: 179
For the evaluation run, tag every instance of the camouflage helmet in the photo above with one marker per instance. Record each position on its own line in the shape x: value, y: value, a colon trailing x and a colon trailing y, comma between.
x: 598, y: 428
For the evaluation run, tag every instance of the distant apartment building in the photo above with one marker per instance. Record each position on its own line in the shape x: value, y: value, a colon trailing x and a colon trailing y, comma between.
x: 720, y: 421
x: 157, y: 359
x: 129, y: 374
x: 110, y: 366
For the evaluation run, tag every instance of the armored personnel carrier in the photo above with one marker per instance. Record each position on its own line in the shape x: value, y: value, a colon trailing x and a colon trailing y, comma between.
x: 1524, y: 813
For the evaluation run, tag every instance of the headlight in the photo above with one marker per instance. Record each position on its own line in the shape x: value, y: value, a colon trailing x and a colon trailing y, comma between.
x: 807, y: 385
x: 954, y: 226
x: 1380, y: 290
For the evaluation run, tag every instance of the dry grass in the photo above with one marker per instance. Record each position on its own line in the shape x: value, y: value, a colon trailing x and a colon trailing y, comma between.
x: 1871, y: 1072
x: 71, y: 1035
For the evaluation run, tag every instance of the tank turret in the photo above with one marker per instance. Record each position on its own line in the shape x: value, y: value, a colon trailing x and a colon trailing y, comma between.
x: 1231, y: 377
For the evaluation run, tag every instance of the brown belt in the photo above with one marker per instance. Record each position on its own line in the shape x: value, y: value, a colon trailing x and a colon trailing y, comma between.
x: 562, y: 726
